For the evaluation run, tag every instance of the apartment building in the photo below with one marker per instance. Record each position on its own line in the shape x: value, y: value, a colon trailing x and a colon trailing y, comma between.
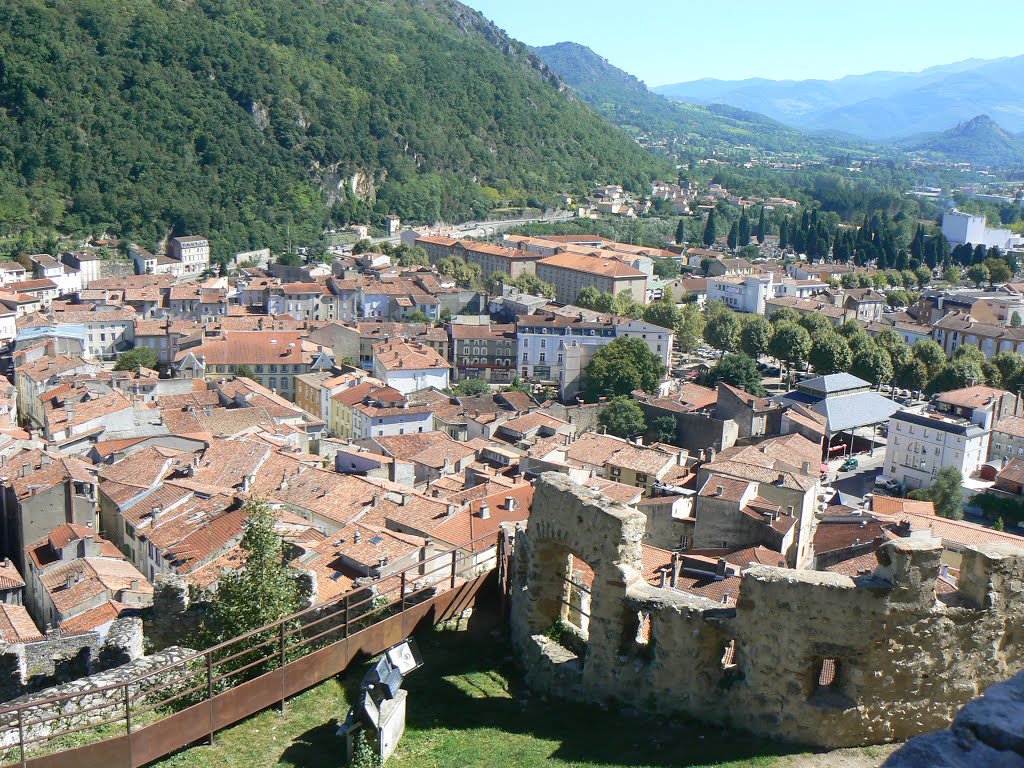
x: 274, y: 358
x: 408, y: 366
x: 572, y: 272
x: 920, y: 444
x: 192, y: 252
x: 485, y: 352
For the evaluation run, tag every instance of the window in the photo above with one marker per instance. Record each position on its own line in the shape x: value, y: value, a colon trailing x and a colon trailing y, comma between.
x: 641, y: 478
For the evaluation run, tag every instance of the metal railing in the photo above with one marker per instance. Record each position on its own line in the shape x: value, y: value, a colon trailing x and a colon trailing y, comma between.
x: 119, y: 710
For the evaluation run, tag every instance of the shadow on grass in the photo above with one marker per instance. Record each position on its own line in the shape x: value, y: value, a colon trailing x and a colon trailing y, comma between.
x: 469, y: 682
x: 317, y: 747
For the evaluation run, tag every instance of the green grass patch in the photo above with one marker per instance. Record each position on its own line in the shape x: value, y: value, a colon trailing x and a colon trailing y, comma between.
x: 467, y: 708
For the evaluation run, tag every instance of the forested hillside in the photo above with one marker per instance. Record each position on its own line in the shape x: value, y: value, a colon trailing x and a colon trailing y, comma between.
x: 244, y: 118
x: 626, y: 101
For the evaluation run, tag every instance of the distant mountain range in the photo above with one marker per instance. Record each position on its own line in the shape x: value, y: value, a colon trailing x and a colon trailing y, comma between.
x: 626, y: 101
x: 978, y: 141
x: 878, y: 105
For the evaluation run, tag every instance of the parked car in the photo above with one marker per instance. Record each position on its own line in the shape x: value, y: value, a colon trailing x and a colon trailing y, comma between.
x: 851, y: 463
x: 888, y: 484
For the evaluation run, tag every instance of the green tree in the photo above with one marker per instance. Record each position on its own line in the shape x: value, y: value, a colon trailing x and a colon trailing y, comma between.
x: 998, y: 272
x: 467, y: 275
x: 947, y: 493
x: 496, y: 280
x: 894, y: 344
x: 527, y: 282
x: 709, y: 229
x: 624, y: 304
x: 1015, y: 320
x: 260, y: 593
x: 784, y: 315
x: 816, y: 324
x: 417, y: 316
x: 977, y: 274
x: 830, y: 354
x: 791, y: 344
x: 587, y: 297
x: 930, y: 353
x: 872, y: 364
x: 756, y: 336
x: 924, y: 276
x: 681, y: 232
x: 133, y: 359
x: 739, y: 370
x: 689, y: 327
x: 913, y: 376
x: 722, y: 331
x: 622, y: 417
x: 661, y: 313
x: 744, y: 230
x: 666, y: 268
x: 761, y: 228
x: 1010, y: 366
x: 957, y: 374
x: 470, y: 387
x: 245, y: 372
x: 621, y: 367
x: 733, y: 238
x: 952, y: 275
x: 665, y: 429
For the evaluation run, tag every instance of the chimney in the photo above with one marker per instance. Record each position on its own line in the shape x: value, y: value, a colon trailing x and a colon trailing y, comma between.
x: 720, y: 568
x: 44, y: 460
x: 155, y: 514
x: 768, y: 519
x: 485, y: 511
x: 807, y: 467
x: 781, y: 479
x: 375, y: 502
x: 246, y: 483
x: 664, y: 577
x: 134, y: 585
x: 358, y: 537
x: 677, y: 564
x: 789, y: 510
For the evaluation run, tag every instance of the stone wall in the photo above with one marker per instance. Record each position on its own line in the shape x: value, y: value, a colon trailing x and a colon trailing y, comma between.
x: 173, y: 615
x: 903, y: 661
x: 44, y: 719
x: 988, y: 732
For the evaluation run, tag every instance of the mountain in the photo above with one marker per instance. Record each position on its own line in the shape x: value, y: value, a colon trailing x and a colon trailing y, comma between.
x: 247, y: 118
x: 627, y: 102
x: 980, y: 141
x: 878, y: 105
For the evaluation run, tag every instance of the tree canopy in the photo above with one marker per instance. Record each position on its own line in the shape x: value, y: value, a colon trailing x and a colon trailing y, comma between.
x: 621, y: 367
x: 133, y: 359
x: 622, y: 417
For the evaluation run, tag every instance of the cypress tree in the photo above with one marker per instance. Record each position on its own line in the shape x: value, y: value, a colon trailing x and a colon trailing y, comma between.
x: 733, y: 237
x: 761, y: 232
x: 681, y: 232
x: 784, y: 234
x: 709, y: 229
x: 744, y: 229
x: 979, y: 254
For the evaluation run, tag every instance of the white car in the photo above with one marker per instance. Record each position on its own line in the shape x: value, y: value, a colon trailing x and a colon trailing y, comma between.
x: 888, y: 484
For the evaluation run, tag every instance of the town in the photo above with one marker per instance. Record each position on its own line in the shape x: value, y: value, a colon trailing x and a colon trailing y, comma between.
x: 428, y: 395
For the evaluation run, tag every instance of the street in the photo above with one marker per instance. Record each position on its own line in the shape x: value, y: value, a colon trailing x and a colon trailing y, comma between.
x: 859, y: 481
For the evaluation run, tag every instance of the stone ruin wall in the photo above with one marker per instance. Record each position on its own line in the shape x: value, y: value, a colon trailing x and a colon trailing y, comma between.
x: 904, y: 661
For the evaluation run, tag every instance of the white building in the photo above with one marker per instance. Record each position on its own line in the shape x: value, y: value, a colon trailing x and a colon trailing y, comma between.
x: 408, y: 366
x: 192, y: 251
x: 741, y: 293
x: 556, y: 347
x: 920, y: 444
x: 960, y: 228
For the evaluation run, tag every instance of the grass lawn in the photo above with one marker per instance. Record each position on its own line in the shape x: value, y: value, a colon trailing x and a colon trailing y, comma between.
x: 467, y: 708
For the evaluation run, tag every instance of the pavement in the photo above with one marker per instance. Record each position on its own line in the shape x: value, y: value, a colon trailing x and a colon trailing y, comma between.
x: 860, y: 481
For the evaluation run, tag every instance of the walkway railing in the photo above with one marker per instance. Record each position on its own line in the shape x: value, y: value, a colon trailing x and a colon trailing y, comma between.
x: 133, y: 722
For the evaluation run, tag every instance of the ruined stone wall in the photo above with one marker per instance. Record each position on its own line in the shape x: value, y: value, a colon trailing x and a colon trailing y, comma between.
x: 93, y: 706
x: 987, y: 732
x: 903, y: 662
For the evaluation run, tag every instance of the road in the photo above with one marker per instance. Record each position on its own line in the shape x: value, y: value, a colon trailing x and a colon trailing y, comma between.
x: 489, y: 228
x: 861, y: 480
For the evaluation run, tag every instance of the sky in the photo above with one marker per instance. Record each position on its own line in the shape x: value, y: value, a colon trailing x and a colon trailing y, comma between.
x: 670, y: 41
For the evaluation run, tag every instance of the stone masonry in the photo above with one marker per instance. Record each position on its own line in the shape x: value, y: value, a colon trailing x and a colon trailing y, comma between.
x: 811, y: 657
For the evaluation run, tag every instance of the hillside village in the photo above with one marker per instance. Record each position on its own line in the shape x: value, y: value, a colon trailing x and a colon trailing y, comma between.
x: 387, y: 413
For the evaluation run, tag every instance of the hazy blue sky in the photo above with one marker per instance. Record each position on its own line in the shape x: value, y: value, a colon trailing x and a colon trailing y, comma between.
x: 668, y: 41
